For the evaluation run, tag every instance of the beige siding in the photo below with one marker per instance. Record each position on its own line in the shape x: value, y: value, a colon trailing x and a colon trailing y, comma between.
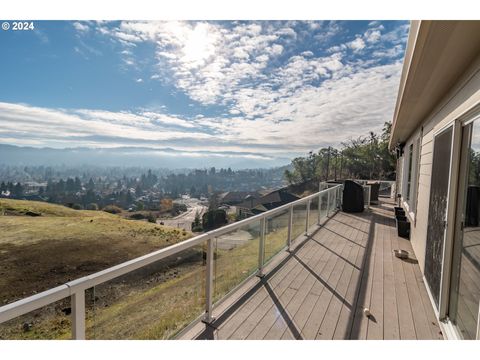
x: 463, y: 97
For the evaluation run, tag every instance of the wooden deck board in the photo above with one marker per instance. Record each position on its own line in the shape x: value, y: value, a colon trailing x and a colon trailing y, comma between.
x: 343, y: 327
x: 321, y: 288
x: 297, y: 301
x: 375, y: 323
x: 405, y: 317
x: 330, y: 320
x: 324, y: 289
x: 390, y: 322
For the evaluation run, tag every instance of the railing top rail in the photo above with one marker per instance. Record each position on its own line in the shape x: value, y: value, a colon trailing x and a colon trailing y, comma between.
x: 44, y: 298
x: 33, y: 302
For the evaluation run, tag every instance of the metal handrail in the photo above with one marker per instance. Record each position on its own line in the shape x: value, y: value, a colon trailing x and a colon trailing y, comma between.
x: 76, y: 288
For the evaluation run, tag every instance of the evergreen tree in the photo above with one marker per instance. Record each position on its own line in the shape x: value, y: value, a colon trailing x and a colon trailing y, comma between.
x: 18, y: 190
x: 91, y: 185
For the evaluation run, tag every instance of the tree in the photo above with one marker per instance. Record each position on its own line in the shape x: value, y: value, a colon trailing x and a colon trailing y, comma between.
x: 18, y: 190
x: 91, y: 206
x: 112, y: 209
x: 166, y: 205
x: 91, y: 184
x: 197, y: 223
x: 361, y: 158
x: 129, y: 197
x: 213, y: 202
x: 151, y: 218
x: 78, y: 184
x: 213, y: 219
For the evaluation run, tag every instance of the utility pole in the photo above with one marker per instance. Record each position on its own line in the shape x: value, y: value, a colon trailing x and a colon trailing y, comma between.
x: 335, y: 165
x: 341, y: 164
x: 328, y: 164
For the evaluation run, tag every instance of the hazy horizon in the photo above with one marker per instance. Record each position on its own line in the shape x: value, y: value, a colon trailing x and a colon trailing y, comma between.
x: 128, y: 157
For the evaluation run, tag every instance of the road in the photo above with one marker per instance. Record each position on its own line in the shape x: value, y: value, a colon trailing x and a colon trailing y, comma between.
x: 184, y: 220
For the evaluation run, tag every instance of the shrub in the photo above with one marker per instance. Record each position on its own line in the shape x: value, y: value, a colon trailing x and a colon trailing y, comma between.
x: 151, y: 218
x: 77, y: 207
x: 91, y: 206
x: 137, y: 216
x: 112, y: 209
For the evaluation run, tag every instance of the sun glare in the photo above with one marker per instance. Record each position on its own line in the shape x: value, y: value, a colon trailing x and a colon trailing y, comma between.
x: 199, y: 45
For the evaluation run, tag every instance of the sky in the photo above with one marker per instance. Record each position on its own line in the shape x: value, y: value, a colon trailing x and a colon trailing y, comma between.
x: 266, y: 90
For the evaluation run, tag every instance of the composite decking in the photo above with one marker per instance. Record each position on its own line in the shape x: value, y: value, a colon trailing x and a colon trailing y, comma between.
x: 319, y: 290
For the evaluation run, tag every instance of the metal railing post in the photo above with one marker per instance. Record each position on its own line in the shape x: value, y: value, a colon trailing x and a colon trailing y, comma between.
x: 78, y: 315
x: 307, y: 218
x: 290, y: 227
x: 261, y: 254
x: 209, y: 281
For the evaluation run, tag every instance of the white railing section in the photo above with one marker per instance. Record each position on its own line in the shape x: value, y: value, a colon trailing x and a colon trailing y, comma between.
x: 384, y: 185
x: 367, y: 195
x: 76, y: 289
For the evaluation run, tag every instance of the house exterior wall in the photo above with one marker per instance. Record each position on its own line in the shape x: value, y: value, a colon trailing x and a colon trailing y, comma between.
x: 463, y: 96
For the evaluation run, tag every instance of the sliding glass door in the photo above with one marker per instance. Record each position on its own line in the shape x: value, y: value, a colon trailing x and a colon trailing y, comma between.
x: 442, y: 150
x: 465, y: 281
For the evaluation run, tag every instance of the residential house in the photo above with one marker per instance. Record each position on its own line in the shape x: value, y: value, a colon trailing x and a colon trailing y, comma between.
x: 436, y: 132
x: 253, y: 206
x: 236, y: 197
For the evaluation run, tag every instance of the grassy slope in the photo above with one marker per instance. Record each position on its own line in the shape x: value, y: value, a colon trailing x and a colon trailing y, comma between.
x: 37, y: 253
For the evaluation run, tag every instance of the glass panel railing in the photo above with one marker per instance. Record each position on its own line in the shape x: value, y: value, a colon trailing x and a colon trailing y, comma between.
x: 299, y: 220
x: 313, y: 218
x: 323, y: 206
x: 153, y: 302
x: 366, y: 195
x: 276, y: 233
x: 331, y: 204
x: 236, y: 258
x: 51, y: 322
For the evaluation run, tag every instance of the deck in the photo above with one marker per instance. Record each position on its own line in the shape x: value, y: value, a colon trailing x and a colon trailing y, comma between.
x: 320, y: 289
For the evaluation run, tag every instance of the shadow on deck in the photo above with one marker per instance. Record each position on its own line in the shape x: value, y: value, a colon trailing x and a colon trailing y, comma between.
x: 320, y: 289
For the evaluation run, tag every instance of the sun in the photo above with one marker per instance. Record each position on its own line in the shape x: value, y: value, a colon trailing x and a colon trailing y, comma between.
x: 199, y: 45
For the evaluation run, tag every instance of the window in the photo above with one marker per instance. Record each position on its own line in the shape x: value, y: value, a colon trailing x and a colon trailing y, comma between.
x: 409, y: 173
x: 411, y: 169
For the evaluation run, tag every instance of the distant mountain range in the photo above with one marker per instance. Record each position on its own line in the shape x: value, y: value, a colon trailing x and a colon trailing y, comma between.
x: 128, y: 156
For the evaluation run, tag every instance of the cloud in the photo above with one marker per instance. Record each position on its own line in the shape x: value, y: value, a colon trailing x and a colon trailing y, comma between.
x: 393, y: 52
x: 206, y: 60
x: 357, y: 44
x: 41, y: 36
x: 81, y: 27
x: 278, y: 123
x: 372, y: 36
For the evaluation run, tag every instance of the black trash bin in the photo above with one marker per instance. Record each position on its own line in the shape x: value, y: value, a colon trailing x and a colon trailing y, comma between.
x: 352, y: 197
x: 403, y: 227
x: 399, y: 211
